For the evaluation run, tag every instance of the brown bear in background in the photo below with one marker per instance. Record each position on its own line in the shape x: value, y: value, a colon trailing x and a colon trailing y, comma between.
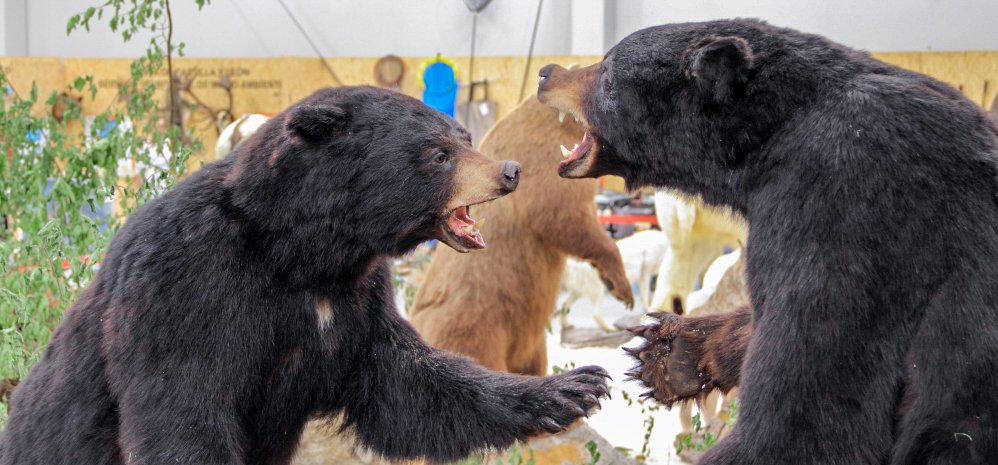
x: 495, y: 305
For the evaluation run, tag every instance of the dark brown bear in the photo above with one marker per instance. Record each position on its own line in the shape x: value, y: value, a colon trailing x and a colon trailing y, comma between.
x: 872, y: 198
x: 257, y: 294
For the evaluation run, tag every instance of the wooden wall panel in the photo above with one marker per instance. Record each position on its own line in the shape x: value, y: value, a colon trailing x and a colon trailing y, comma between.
x: 268, y: 85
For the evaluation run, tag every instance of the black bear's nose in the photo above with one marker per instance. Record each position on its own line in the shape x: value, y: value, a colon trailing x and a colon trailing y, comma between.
x: 510, y: 175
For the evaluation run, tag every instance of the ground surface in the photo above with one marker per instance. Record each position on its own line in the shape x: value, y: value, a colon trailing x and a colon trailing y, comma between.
x: 620, y: 424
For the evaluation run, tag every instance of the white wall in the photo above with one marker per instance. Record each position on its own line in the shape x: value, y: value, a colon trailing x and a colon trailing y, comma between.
x: 234, y: 28
x: 13, y: 32
x: 876, y: 25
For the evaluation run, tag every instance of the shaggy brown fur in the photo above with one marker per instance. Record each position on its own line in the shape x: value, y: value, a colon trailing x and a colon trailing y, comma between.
x: 685, y: 359
x: 494, y: 305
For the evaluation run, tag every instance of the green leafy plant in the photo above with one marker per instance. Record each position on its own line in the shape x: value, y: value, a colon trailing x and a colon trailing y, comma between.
x: 700, y: 440
x: 408, y: 274
x: 647, y: 406
x: 555, y: 369
x: 513, y: 456
x: 67, y: 183
x: 732, y: 413
x: 696, y: 441
x: 594, y: 454
x: 649, y: 424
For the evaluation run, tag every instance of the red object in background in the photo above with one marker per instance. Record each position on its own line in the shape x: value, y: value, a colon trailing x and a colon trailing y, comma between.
x: 64, y: 265
x: 628, y: 219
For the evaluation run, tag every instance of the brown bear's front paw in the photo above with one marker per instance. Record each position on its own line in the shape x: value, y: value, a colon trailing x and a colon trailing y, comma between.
x: 565, y: 398
x: 619, y: 287
x: 665, y: 362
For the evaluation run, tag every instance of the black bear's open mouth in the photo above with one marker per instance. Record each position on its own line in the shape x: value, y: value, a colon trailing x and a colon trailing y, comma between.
x: 460, y: 230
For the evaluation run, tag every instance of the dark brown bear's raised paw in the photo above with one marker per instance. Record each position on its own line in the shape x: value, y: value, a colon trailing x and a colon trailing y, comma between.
x: 684, y: 359
x: 665, y: 363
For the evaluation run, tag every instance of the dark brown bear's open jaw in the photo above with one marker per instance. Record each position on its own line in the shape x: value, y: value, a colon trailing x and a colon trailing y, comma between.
x: 579, y: 160
x: 577, y: 156
x: 566, y: 90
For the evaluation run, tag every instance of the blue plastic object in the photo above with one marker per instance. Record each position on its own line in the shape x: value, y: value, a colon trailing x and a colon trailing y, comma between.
x: 441, y: 87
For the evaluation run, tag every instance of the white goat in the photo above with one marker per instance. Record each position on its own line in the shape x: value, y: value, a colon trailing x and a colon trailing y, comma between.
x: 642, y: 254
x: 697, y: 234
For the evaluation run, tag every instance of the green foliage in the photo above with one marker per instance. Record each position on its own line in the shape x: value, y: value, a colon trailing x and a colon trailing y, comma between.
x: 700, y: 440
x: 693, y: 441
x: 408, y: 274
x: 594, y: 454
x: 732, y: 413
x: 647, y: 406
x: 557, y: 370
x: 649, y: 425
x: 59, y: 177
x: 513, y: 456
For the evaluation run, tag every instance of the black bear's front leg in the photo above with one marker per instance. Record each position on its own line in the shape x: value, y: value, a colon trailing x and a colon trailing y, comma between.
x: 408, y: 400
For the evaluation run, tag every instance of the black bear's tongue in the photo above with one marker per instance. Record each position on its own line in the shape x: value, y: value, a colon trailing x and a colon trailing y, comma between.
x: 462, y: 225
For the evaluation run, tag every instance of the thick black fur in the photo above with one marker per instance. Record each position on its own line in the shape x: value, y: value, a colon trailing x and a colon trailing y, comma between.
x: 872, y: 196
x: 198, y: 340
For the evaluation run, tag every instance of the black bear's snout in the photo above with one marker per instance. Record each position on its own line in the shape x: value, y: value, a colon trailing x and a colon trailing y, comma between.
x: 510, y: 175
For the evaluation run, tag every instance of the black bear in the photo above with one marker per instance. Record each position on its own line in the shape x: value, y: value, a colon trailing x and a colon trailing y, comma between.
x: 256, y: 294
x: 872, y: 198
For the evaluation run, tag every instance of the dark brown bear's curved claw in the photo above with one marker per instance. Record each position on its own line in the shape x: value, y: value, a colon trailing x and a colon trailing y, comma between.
x: 664, y: 362
x: 683, y: 359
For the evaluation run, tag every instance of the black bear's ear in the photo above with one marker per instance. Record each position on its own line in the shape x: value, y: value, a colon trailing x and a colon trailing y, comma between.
x: 720, y: 66
x: 315, y: 121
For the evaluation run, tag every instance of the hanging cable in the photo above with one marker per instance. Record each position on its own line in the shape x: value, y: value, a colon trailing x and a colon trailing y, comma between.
x: 249, y: 24
x: 530, y: 53
x: 309, y: 40
x: 471, y: 69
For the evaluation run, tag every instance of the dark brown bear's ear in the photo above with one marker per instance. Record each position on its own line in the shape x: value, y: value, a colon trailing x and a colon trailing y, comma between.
x: 315, y: 121
x: 720, y: 66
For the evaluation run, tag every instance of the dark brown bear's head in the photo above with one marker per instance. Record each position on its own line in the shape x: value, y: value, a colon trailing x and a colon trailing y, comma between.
x: 680, y: 105
x: 637, y: 85
x: 369, y: 170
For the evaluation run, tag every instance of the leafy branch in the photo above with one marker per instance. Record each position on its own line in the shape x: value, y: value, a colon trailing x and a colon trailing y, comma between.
x: 67, y: 183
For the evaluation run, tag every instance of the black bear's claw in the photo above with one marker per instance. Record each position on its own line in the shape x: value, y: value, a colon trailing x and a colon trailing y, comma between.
x: 566, y: 397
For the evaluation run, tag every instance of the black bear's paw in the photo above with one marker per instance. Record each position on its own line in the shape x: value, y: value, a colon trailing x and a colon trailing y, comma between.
x: 668, y: 362
x: 562, y: 399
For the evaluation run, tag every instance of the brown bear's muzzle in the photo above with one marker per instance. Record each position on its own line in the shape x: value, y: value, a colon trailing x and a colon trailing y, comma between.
x: 477, y: 179
x: 565, y: 90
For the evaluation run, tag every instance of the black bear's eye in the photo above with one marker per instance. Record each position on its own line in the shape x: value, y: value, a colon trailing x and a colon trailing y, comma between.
x: 440, y: 157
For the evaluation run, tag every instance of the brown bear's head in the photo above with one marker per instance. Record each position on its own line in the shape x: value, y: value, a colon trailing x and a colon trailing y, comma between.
x: 368, y: 169
x: 680, y: 105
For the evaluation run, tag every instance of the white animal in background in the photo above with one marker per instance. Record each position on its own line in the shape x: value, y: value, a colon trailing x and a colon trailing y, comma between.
x: 711, y: 279
x: 238, y: 131
x: 697, y: 234
x: 723, y: 290
x: 642, y: 254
